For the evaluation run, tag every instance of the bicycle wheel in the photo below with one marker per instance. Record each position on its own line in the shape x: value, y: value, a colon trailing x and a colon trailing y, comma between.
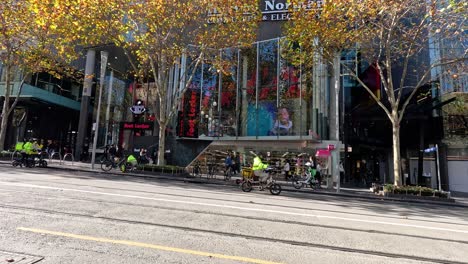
x: 297, y: 184
x: 246, y: 186
x: 17, y: 163
x: 43, y: 164
x: 124, y: 167
x: 106, y: 165
x: 275, y: 189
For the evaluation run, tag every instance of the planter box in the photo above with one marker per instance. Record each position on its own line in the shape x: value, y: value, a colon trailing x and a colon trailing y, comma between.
x: 416, y: 197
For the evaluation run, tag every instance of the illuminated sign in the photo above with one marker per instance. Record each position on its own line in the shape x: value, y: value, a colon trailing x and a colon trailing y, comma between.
x: 136, y: 126
x: 189, y: 116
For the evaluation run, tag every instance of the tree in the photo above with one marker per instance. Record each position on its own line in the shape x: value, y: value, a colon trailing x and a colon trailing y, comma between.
x: 29, y: 43
x: 160, y: 36
x: 398, y: 38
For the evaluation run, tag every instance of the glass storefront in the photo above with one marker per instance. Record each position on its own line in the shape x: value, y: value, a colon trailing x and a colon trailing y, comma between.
x: 260, y: 94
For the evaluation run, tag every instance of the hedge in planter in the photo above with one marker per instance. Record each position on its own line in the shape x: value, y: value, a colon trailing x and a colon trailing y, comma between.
x: 414, y: 190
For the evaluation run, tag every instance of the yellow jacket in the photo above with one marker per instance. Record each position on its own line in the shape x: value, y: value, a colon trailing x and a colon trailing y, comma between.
x: 258, y: 165
x: 28, y: 148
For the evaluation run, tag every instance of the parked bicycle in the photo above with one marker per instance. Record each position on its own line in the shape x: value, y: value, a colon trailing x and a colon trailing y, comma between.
x: 254, y: 182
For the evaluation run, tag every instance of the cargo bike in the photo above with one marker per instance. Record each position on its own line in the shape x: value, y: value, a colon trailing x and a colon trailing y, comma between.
x: 250, y: 181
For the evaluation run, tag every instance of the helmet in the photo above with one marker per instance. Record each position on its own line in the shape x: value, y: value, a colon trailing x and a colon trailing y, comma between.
x: 308, y: 164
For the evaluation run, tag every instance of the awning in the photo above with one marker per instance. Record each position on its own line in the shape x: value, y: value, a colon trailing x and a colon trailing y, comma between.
x: 322, y: 153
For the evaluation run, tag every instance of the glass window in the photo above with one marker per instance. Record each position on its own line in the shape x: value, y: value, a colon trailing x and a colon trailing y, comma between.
x: 289, y: 117
x: 229, y: 104
x: 267, y: 87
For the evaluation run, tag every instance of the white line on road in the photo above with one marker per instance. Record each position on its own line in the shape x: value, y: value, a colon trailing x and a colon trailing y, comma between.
x: 235, y: 207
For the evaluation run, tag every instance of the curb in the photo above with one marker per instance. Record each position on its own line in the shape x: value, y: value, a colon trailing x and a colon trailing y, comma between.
x: 216, y: 182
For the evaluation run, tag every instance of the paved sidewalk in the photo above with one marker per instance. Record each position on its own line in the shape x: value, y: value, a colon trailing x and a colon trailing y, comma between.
x: 350, y: 192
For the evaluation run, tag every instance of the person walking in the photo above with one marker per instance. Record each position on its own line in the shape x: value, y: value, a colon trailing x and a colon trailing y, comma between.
x: 286, y: 169
x: 227, y: 166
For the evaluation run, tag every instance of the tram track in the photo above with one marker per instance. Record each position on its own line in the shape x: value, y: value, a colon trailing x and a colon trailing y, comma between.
x: 248, y: 203
x: 237, y: 216
x: 234, y: 235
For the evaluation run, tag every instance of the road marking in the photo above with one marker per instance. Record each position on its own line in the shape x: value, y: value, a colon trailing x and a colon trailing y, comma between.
x: 239, y: 208
x: 145, y: 245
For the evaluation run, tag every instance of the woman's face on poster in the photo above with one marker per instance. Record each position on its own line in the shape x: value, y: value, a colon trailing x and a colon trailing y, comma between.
x: 283, y: 114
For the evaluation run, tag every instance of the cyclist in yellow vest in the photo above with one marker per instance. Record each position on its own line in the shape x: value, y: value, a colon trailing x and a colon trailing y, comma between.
x: 19, y: 146
x: 258, y: 168
x: 26, y: 153
x: 130, y: 164
x: 27, y: 147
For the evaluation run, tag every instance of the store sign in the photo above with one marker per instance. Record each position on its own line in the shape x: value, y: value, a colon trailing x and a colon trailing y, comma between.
x: 272, y: 10
x: 136, y: 126
x: 138, y: 108
x: 189, y: 116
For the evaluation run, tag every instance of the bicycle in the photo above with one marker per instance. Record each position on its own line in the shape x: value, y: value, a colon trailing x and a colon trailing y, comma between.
x: 310, y: 180
x: 122, y: 164
x: 250, y: 184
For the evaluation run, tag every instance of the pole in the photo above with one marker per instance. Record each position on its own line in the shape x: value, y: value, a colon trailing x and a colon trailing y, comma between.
x: 336, y: 170
x: 438, y: 167
x: 85, y: 101
x: 109, y: 97
x: 104, y: 55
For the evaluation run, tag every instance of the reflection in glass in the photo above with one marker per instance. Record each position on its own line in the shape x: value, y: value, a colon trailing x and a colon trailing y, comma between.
x: 249, y: 92
x: 229, y: 93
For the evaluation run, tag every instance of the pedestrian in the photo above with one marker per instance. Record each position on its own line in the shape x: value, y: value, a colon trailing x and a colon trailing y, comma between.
x: 319, y: 172
x: 228, y: 163
x: 341, y: 169
x: 143, y: 159
x: 111, y: 152
x: 237, y: 162
x: 286, y: 169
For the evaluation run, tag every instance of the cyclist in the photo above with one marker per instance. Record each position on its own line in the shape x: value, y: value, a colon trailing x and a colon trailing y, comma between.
x: 129, y: 164
x: 258, y: 168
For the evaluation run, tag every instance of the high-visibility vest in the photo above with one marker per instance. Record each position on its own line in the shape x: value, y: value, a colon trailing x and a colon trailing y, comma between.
x: 19, y: 146
x: 28, y: 148
x: 131, y: 159
x: 258, y: 165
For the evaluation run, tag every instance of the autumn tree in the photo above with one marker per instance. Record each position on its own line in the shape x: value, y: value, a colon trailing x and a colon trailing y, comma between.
x: 29, y: 43
x: 397, y: 37
x: 161, y: 36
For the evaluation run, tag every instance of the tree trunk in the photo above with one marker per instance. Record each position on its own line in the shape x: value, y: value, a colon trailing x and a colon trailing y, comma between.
x: 396, y: 152
x: 6, y: 109
x: 162, y: 143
